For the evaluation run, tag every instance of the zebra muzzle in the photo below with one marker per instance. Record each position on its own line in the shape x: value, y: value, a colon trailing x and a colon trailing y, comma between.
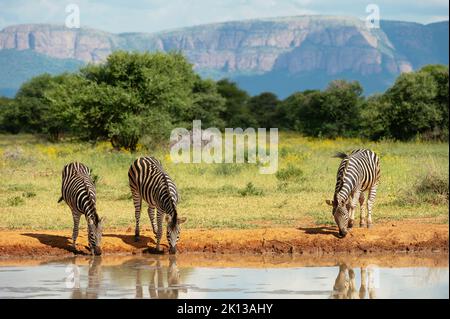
x: 342, y: 233
x: 97, y: 251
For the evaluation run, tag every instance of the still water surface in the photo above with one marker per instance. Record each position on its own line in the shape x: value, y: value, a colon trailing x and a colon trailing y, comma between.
x: 167, y: 277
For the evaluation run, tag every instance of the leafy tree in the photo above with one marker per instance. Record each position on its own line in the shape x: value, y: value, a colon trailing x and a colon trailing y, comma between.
x: 333, y: 112
x: 9, y: 116
x: 207, y: 106
x: 262, y: 108
x: 31, y: 104
x: 417, y: 104
x: 122, y: 98
x: 236, y: 113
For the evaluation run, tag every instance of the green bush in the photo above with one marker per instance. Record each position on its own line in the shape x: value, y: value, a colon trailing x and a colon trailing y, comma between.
x: 28, y: 194
x: 432, y: 188
x: 290, y: 173
x: 227, y: 169
x: 250, y: 190
x: 15, y: 201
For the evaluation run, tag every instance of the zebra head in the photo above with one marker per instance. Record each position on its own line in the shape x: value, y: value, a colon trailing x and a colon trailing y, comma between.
x: 95, y: 235
x: 340, y: 214
x: 173, y: 232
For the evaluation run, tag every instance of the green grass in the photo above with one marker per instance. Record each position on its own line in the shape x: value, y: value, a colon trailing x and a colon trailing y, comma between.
x: 221, y: 195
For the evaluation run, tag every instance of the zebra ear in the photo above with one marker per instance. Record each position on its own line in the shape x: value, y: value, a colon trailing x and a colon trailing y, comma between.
x: 329, y: 202
x: 181, y: 220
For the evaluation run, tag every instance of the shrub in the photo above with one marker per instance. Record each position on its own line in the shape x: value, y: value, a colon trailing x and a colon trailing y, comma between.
x: 250, y: 190
x: 432, y: 188
x: 15, y: 201
x: 289, y: 173
x: 126, y: 196
x: 227, y: 169
x: 28, y: 194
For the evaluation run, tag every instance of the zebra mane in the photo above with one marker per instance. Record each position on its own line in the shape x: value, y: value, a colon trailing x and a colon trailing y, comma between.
x: 344, y: 172
x: 172, y: 200
x: 96, y: 219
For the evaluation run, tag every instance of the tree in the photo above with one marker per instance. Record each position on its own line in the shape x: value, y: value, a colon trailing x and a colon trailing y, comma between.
x: 416, y: 105
x: 333, y: 112
x: 9, y: 116
x: 208, y: 104
x: 236, y: 113
x: 262, y: 107
x: 123, y: 98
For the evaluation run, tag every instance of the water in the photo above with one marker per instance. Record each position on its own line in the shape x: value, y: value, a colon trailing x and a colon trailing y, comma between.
x: 223, y: 277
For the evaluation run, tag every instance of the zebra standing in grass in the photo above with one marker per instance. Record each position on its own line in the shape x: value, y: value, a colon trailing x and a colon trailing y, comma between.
x: 78, y: 191
x: 358, y: 172
x: 150, y: 182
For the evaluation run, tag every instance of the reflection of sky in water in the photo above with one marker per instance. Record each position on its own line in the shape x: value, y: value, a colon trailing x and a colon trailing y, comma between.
x: 49, y: 281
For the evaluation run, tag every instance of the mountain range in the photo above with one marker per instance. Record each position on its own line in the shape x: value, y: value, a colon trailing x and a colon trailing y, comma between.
x: 281, y: 55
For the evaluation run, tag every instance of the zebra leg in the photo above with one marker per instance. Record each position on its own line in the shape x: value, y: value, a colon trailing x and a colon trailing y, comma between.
x: 353, y: 202
x: 76, y: 223
x: 151, y: 214
x: 362, y: 216
x: 370, y: 203
x: 137, y: 213
x: 352, y: 294
x: 362, y: 288
x: 159, y: 220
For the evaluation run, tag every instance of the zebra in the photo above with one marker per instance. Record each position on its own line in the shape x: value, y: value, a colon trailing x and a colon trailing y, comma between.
x: 78, y: 191
x: 162, y: 284
x: 150, y: 182
x: 358, y: 172
x: 345, y: 284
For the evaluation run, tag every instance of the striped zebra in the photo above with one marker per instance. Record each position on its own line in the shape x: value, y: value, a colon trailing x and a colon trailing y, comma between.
x: 150, y: 182
x: 358, y: 172
x: 78, y: 191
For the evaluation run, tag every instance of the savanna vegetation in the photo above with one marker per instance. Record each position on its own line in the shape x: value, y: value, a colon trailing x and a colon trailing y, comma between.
x: 106, y: 115
x: 140, y: 97
x: 414, y: 184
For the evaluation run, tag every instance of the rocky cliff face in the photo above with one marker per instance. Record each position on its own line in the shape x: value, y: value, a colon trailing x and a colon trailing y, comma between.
x: 58, y: 42
x: 292, y: 46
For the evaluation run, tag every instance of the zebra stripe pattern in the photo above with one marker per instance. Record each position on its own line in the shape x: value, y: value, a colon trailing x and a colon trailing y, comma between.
x: 78, y: 191
x: 150, y: 182
x: 358, y: 172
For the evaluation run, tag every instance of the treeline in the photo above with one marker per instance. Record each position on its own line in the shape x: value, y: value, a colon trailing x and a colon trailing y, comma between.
x: 141, y: 96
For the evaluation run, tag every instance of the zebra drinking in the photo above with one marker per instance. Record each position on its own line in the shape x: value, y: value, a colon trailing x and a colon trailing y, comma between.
x: 150, y: 182
x: 78, y: 191
x: 358, y: 172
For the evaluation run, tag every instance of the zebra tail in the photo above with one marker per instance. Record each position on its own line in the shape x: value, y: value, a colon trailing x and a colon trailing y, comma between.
x: 60, y: 199
x: 340, y: 155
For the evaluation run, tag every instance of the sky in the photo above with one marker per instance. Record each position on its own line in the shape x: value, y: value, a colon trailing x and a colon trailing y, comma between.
x: 156, y: 15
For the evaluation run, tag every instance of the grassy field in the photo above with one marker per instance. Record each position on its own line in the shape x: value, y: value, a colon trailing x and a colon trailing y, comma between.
x: 219, y: 195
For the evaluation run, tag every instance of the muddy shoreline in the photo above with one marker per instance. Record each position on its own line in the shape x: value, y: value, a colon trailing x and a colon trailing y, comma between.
x: 392, y: 237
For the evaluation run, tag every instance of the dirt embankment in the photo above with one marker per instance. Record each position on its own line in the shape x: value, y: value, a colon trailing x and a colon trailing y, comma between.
x: 388, y: 237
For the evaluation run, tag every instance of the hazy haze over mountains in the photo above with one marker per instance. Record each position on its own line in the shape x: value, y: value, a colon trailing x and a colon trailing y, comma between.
x: 281, y: 55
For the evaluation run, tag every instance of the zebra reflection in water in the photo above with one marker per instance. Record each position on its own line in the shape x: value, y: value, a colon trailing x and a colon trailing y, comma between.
x: 345, y: 284
x: 94, y: 279
x: 156, y: 286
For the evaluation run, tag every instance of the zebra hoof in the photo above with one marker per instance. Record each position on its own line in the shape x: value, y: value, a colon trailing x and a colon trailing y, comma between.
x: 136, y: 238
x: 369, y: 225
x: 350, y: 224
x: 362, y: 225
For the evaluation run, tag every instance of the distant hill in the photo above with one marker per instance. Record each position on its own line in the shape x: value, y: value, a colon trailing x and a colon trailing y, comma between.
x: 281, y: 55
x: 16, y: 66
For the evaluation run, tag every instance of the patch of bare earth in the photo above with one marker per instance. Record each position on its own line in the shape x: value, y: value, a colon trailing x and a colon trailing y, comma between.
x: 404, y: 236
